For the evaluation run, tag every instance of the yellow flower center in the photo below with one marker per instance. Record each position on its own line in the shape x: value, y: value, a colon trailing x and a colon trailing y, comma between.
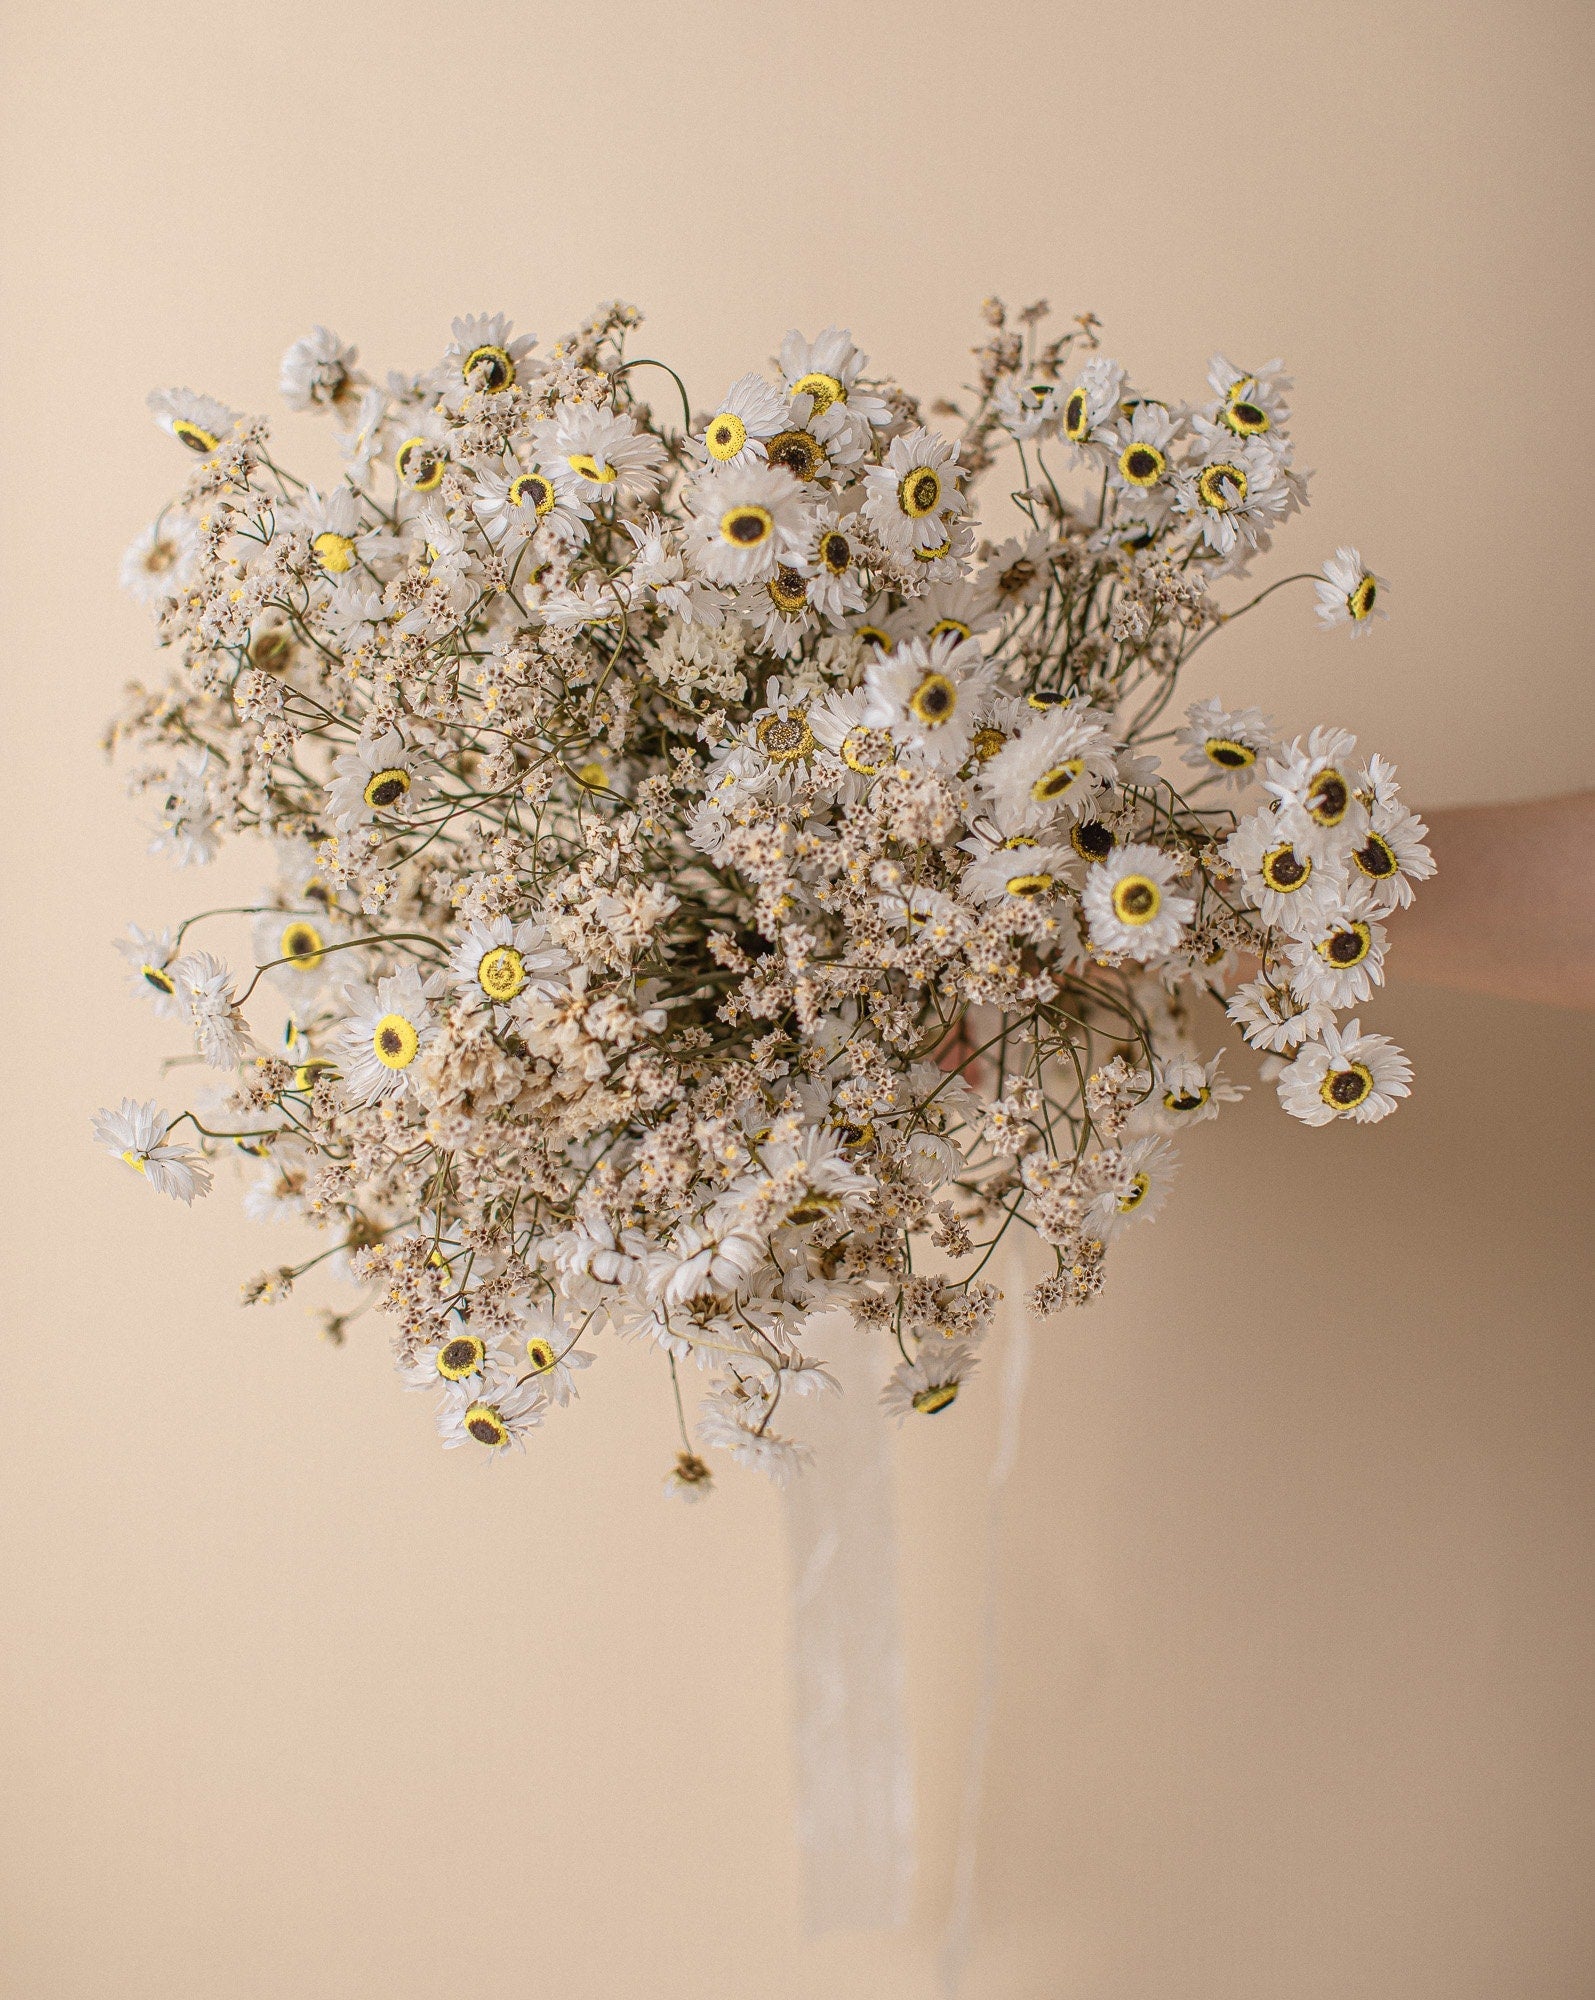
x: 783, y: 738
x: 501, y: 972
x: 531, y: 489
x: 486, y: 1425
x: 194, y: 435
x: 303, y: 944
x: 919, y: 493
x: 799, y: 451
x: 1344, y: 1089
x: 836, y: 552
x: 856, y: 758
x: 585, y: 466
x: 489, y: 369
x: 1328, y: 797
x: 420, y: 464
x: 1054, y: 783
x: 335, y: 553
x: 1187, y: 1100
x: 1028, y: 885
x: 812, y: 1207
x: 874, y: 635
x: 395, y: 1042
x: 1136, y: 899
x: 461, y: 1356
x: 136, y: 1161
x: 746, y: 527
x: 1221, y: 486
x: 1077, y: 416
x: 934, y: 553
x: 386, y: 788
x: 1091, y: 840
x: 1285, y: 871
x: 789, y: 591
x: 1142, y: 464
x: 1376, y: 857
x: 540, y: 1353
x: 1135, y: 1194
x: 1229, y: 753
x: 933, y: 701
x: 1361, y: 601
x: 954, y: 625
x: 726, y: 435
x: 592, y: 777
x: 986, y: 743
x: 1244, y: 417
x: 158, y: 977
x: 929, y: 1401
x: 1345, y: 947
x: 825, y: 390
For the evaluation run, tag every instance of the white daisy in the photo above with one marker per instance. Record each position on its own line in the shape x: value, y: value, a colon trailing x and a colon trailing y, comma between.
x: 199, y: 422
x: 1226, y: 740
x: 1140, y: 1175
x: 1131, y: 905
x: 1287, y: 886
x: 375, y: 777
x: 1089, y: 407
x: 930, y: 1382
x: 318, y: 373
x: 840, y: 726
x: 1057, y: 759
x: 500, y: 963
x: 205, y: 986
x: 189, y: 826
x: 960, y: 606
x: 930, y: 697
x: 385, y: 1032
x: 332, y: 523
x: 486, y: 357
x: 1272, y: 1019
x: 1344, y: 960
x: 493, y: 1417
x: 702, y: 1262
x: 1020, y: 871
x: 1345, y: 1075
x: 464, y: 1360
x: 1140, y: 454
x: 914, y: 499
x: 1231, y: 489
x: 751, y: 411
x: 1316, y: 785
x: 1393, y: 854
x: 1188, y: 1091
x: 609, y: 457
x: 293, y: 944
x: 836, y: 590
x: 748, y: 519
x: 1247, y: 404
x: 544, y: 1348
x: 827, y: 370
x: 137, y: 1133
x: 1349, y: 594
x: 778, y: 612
x: 158, y: 563
x: 151, y: 956
x: 514, y: 502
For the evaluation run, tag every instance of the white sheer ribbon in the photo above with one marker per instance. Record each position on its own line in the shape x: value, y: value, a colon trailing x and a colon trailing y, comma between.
x: 855, y: 1798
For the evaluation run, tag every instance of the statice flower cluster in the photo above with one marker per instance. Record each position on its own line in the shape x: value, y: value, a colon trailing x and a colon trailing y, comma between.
x: 712, y: 883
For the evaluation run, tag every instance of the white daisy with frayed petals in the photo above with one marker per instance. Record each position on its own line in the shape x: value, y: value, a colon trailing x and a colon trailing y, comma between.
x: 493, y: 1417
x: 914, y: 499
x: 1345, y: 1075
x: 137, y: 1133
x: 501, y: 965
x: 750, y: 413
x: 747, y: 520
x: 1059, y: 757
x: 929, y: 1383
x: 1349, y: 594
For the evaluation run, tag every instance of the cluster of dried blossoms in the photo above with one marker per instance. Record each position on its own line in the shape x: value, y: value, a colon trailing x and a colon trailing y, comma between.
x: 713, y: 888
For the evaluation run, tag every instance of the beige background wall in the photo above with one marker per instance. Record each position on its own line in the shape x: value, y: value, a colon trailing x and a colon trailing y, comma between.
x: 1298, y: 1680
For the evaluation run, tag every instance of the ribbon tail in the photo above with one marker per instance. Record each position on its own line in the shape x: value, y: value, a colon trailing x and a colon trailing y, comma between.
x: 855, y: 1801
